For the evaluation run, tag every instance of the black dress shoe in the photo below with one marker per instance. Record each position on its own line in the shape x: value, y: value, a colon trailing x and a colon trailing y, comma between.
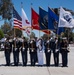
x: 6, y: 65
x: 66, y: 66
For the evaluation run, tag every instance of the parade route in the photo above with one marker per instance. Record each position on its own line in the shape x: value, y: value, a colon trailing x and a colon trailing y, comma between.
x: 37, y: 70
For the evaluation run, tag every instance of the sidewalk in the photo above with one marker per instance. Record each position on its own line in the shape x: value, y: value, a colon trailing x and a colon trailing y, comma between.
x: 28, y: 70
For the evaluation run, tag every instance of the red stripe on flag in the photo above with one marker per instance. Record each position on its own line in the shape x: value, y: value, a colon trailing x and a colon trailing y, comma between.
x: 17, y: 24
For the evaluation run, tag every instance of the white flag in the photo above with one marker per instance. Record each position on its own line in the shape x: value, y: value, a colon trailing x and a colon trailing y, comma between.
x: 65, y: 19
x: 25, y: 23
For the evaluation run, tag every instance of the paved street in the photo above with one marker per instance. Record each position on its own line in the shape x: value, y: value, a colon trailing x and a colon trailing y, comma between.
x: 29, y: 70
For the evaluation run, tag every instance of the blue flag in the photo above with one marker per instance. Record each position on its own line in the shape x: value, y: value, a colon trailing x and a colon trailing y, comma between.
x: 53, y: 20
x: 16, y: 15
x: 43, y: 19
x: 60, y: 30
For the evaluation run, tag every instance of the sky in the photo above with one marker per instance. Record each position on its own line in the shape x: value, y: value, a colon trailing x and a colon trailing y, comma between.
x: 41, y: 3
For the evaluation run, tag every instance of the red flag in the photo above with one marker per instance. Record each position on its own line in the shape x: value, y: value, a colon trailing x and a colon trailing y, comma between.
x: 35, y: 19
x: 35, y: 22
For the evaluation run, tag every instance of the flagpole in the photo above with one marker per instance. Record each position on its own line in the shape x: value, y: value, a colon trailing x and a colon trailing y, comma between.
x: 48, y: 34
x: 48, y: 26
x: 14, y: 37
x: 31, y: 18
x: 14, y: 32
x: 21, y: 8
x: 68, y: 35
x: 39, y: 33
x: 57, y: 30
x: 22, y: 27
x: 13, y: 25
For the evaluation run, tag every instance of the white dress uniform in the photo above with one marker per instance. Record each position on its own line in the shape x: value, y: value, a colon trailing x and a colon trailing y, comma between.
x: 40, y: 53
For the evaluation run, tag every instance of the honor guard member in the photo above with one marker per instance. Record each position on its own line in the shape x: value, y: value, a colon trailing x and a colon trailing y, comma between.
x: 40, y: 49
x: 47, y: 52
x: 53, y: 47
x: 16, y: 46
x: 11, y: 43
x: 32, y: 47
x: 64, y: 52
x: 36, y: 60
x: 56, y: 55
x: 24, y: 48
x: 7, y: 52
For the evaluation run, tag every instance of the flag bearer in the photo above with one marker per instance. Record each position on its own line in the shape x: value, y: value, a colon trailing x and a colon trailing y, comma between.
x: 24, y: 48
x: 7, y: 52
x: 53, y: 48
x: 56, y: 60
x: 47, y: 52
x: 16, y: 46
x: 64, y: 52
x: 32, y: 47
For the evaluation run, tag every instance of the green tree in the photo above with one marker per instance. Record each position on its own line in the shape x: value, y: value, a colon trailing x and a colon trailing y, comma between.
x: 6, y: 28
x: 18, y: 32
x: 6, y: 7
x: 32, y: 35
x: 1, y: 34
x: 9, y: 30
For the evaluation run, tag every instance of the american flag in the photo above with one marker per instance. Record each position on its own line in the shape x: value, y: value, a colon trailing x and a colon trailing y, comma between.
x: 17, y: 20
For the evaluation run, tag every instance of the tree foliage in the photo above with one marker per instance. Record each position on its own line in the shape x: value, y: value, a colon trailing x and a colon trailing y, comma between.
x: 1, y: 34
x: 9, y: 30
x: 18, y: 32
x: 6, y: 9
x: 32, y: 35
x: 6, y: 28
